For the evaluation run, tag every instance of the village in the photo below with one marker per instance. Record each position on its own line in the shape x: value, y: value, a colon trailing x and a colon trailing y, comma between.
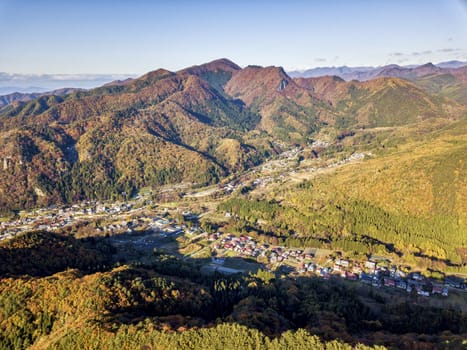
x: 129, y: 223
x: 148, y: 226
x: 377, y: 272
x: 58, y: 217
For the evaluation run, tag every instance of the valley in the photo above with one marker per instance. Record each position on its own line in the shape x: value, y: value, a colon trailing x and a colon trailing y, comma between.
x: 190, y: 224
x: 219, y: 201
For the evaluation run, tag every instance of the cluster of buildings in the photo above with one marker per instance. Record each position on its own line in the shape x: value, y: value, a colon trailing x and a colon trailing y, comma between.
x: 372, y: 272
x: 55, y: 218
x: 376, y: 275
x: 243, y: 245
x: 246, y: 246
x: 166, y: 227
x: 413, y: 283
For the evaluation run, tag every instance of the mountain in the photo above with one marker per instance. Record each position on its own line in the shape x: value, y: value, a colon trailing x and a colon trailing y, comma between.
x: 322, y: 71
x: 378, y: 102
x: 451, y: 64
x: 35, y: 83
x: 161, y: 128
x: 409, y: 73
x: 287, y: 110
x: 367, y: 73
x: 446, y: 79
x: 25, y: 97
x: 196, y: 125
x: 451, y: 83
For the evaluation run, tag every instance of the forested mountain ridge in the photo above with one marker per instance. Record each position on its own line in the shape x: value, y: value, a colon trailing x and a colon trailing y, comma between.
x: 196, y: 125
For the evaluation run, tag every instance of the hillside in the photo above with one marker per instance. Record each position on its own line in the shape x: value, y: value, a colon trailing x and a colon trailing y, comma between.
x: 30, y: 254
x: 195, y: 126
x: 379, y: 102
x: 452, y: 84
x: 407, y: 200
x: 95, y: 143
x: 172, y: 304
x: 287, y: 110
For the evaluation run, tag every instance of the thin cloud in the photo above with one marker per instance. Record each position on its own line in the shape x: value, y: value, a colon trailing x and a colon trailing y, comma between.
x: 450, y: 49
x: 421, y: 53
x: 320, y: 60
x: 61, y: 77
x: 396, y: 54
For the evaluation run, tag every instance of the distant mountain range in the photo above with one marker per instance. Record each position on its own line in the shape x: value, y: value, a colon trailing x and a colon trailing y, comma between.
x: 24, y: 97
x: 36, y: 83
x: 196, y: 125
x: 366, y: 73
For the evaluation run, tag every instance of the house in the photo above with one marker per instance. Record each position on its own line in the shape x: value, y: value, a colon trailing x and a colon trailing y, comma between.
x: 173, y: 230
x: 370, y: 265
x: 437, y: 289
x: 357, y: 269
x: 188, y: 215
x: 338, y: 268
x: 301, y: 268
x: 376, y: 283
x: 423, y: 293
x: 342, y: 262
x: 453, y: 281
x: 400, y: 274
x: 401, y: 284
x: 351, y: 276
x: 367, y: 279
x: 389, y: 282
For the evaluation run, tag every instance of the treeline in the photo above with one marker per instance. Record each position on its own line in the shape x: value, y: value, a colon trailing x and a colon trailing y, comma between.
x: 224, y: 336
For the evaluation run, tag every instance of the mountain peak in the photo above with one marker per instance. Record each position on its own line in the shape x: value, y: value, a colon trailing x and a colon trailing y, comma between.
x: 427, y: 65
x: 222, y: 65
x: 257, y: 78
x: 224, y: 62
x: 426, y: 69
x: 155, y: 74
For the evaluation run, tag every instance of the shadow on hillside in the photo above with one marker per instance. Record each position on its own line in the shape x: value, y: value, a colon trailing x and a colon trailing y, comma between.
x: 178, y: 292
x: 175, y: 292
x: 41, y: 254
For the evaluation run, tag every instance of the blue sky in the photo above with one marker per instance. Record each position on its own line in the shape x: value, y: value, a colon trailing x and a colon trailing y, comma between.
x: 133, y: 37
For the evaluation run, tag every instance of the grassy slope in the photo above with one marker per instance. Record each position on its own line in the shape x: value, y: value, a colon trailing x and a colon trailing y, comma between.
x: 413, y: 194
x: 444, y: 84
x: 407, y: 201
